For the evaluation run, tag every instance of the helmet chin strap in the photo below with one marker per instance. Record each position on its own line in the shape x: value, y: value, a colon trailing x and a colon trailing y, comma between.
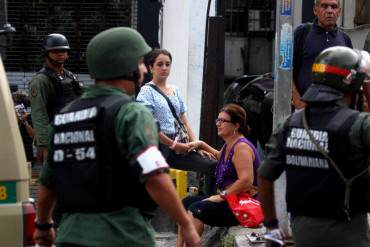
x: 54, y: 62
x: 134, y: 77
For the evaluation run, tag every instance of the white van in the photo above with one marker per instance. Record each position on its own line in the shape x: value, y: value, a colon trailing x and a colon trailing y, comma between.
x: 17, y: 213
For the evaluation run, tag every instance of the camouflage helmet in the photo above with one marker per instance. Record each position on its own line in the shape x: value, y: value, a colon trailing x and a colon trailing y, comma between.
x: 54, y: 41
x: 339, y: 67
x: 115, y: 52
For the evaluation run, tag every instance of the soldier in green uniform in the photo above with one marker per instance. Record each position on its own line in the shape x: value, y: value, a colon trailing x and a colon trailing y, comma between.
x: 51, y: 88
x: 103, y: 162
x: 324, y: 150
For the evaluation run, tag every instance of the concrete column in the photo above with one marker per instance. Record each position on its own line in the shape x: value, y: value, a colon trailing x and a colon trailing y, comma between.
x: 183, y: 35
x: 176, y: 40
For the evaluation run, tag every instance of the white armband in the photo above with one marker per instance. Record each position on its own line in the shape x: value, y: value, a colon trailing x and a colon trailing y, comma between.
x: 367, y: 79
x: 151, y: 160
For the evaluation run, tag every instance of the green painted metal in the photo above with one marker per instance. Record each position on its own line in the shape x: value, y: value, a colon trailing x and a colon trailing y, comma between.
x: 8, y: 192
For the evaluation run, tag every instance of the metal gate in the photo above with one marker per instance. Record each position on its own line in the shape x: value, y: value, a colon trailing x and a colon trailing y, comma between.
x: 79, y: 21
x: 250, y: 27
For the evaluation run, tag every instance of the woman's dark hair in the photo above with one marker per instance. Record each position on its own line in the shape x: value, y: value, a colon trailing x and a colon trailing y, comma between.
x: 152, y: 56
x: 21, y: 98
x: 237, y: 115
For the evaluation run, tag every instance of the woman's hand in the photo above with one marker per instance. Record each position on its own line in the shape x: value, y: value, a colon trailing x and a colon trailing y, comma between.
x: 204, y: 153
x: 181, y: 148
x: 194, y: 145
x: 215, y: 198
x: 23, y: 117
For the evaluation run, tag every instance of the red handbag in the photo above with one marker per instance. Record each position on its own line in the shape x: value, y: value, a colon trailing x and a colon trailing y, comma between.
x: 247, y: 210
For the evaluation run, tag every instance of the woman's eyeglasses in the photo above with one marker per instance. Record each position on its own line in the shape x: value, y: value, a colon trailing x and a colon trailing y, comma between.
x: 222, y: 120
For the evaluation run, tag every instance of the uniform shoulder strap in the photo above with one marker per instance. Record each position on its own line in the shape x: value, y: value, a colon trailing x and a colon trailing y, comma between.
x: 77, y: 85
x: 112, y: 104
x: 56, y: 82
x: 49, y: 73
x: 52, y: 75
x: 70, y: 74
x: 295, y: 118
x: 347, y: 181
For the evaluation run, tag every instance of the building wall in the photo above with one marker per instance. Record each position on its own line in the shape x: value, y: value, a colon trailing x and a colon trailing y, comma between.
x: 183, y: 35
x: 261, y: 58
x: 233, y: 57
x: 356, y: 33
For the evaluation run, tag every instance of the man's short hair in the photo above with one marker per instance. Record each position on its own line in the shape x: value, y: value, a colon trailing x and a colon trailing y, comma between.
x: 317, y: 2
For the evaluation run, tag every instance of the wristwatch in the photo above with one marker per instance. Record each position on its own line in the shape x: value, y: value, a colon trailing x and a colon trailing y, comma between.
x: 43, y: 226
x: 223, y: 194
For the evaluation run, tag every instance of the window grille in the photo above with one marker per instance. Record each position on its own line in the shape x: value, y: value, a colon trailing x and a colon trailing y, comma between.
x: 249, y: 18
x: 79, y: 21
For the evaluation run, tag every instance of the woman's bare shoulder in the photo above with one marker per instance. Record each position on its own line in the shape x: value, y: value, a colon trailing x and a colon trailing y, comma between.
x: 242, y: 147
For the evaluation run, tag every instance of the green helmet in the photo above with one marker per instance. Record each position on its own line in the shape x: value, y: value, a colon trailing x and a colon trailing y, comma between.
x: 341, y: 68
x: 115, y: 52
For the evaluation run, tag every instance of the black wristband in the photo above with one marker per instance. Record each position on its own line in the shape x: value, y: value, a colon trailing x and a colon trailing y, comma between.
x: 271, y: 223
x: 43, y: 227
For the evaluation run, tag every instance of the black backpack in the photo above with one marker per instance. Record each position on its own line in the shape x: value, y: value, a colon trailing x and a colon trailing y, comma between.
x: 232, y: 91
x: 256, y: 97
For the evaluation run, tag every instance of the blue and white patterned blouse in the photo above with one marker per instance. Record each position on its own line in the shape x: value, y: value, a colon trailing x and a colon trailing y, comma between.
x: 158, y: 105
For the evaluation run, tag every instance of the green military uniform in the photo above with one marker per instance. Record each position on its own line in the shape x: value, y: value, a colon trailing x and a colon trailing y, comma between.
x: 48, y: 97
x: 318, y: 231
x: 274, y: 164
x: 51, y: 91
x: 41, y: 91
x: 135, y: 130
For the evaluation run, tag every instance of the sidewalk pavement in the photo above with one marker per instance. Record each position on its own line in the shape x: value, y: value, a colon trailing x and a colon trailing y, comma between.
x: 210, y: 237
x: 241, y: 235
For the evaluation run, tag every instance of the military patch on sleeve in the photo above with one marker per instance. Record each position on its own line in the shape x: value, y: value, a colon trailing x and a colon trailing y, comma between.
x: 42, y: 141
x: 33, y: 92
